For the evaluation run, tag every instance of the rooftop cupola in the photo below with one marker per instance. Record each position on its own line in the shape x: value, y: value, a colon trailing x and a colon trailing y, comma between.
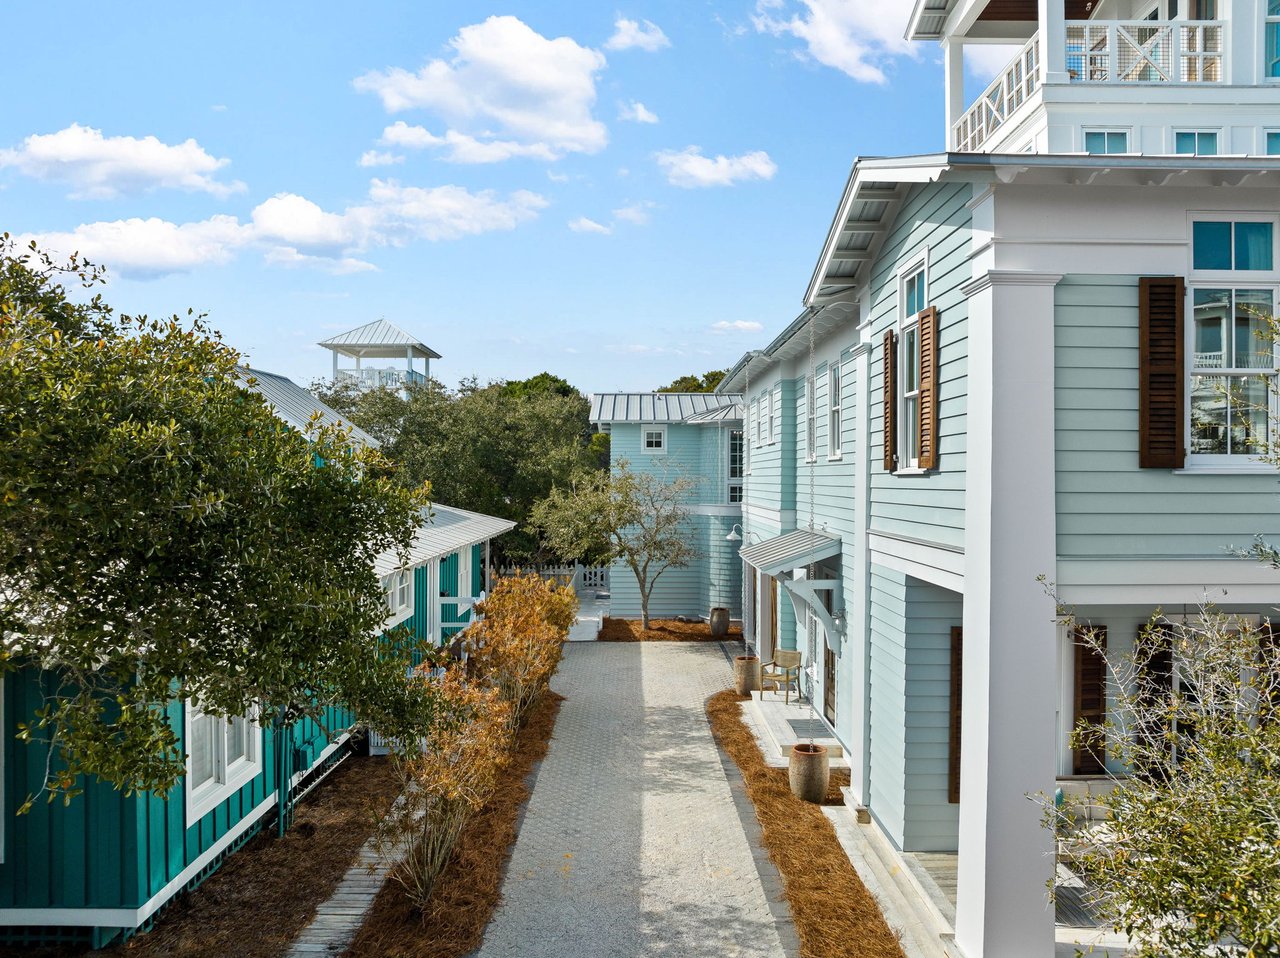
x: 1154, y: 77
x: 379, y: 340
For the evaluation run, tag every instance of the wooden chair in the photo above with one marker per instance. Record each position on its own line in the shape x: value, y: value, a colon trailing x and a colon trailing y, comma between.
x: 784, y: 670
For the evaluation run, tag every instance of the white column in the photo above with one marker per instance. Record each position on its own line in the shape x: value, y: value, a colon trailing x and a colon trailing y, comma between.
x: 1010, y: 665
x: 335, y: 365
x: 1053, y: 41
x: 855, y: 651
x: 953, y: 61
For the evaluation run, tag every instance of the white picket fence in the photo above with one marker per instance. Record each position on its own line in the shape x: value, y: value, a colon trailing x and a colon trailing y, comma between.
x: 579, y: 576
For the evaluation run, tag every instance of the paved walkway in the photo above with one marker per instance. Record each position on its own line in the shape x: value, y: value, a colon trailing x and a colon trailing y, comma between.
x: 591, y: 612
x: 632, y: 843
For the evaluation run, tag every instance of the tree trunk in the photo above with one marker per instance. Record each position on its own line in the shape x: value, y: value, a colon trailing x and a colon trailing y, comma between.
x: 644, y: 609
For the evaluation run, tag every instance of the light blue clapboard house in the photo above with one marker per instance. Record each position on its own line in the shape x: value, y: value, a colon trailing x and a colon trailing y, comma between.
x: 105, y: 865
x: 696, y: 436
x: 1032, y: 354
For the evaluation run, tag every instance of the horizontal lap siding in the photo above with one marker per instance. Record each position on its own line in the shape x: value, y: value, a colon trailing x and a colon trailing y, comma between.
x: 1108, y: 506
x: 929, y: 507
x: 888, y: 700
x: 931, y: 821
x: 771, y: 483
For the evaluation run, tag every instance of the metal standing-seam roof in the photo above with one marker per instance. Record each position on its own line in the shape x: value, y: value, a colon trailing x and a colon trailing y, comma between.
x: 731, y: 413
x: 294, y: 406
x: 444, y: 529
x: 378, y: 340
x: 791, y: 550
x: 655, y: 407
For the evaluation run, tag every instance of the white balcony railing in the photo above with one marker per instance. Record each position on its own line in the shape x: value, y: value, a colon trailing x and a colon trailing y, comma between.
x: 374, y: 378
x: 1144, y: 51
x: 1012, y: 88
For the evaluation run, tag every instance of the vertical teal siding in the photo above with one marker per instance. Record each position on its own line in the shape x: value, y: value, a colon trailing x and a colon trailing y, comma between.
x: 928, y: 507
x: 1107, y: 506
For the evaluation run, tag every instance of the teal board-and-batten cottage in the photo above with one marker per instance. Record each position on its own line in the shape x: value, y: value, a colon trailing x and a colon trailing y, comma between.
x: 104, y: 865
x: 683, y: 435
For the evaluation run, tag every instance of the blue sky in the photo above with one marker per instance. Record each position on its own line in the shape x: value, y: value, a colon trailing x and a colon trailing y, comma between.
x: 616, y: 194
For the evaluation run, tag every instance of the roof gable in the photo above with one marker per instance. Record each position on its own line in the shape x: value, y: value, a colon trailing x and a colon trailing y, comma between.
x: 380, y: 340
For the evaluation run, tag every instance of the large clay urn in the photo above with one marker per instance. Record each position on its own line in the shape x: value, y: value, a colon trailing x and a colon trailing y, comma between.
x: 810, y: 771
x: 719, y: 622
x: 746, y: 674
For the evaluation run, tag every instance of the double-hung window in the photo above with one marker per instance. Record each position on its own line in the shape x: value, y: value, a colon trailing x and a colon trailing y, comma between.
x: 810, y: 420
x: 737, y: 463
x: 759, y: 423
x: 223, y: 755
x: 913, y: 300
x: 833, y: 411
x: 1272, y: 39
x: 773, y: 401
x: 653, y: 440
x: 1232, y: 353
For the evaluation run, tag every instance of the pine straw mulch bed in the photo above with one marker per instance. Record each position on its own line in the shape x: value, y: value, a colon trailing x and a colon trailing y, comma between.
x: 467, y: 893
x: 835, y: 916
x: 661, y: 630
x: 255, y: 905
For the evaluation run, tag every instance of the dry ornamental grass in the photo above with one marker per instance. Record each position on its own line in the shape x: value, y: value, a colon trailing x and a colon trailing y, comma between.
x: 835, y: 915
x: 467, y: 893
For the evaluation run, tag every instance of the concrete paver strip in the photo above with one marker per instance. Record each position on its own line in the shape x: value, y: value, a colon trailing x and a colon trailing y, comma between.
x: 631, y: 843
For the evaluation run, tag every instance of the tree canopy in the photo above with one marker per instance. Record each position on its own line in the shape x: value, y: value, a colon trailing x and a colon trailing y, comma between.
x: 164, y: 536
x: 636, y: 517
x: 706, y: 383
x: 495, y: 448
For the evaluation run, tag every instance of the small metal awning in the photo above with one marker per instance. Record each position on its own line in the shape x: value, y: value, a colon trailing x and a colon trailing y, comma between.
x: 791, y: 550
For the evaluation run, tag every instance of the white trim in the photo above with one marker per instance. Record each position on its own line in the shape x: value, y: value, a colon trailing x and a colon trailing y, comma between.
x: 645, y: 429
x: 784, y: 519
x: 908, y: 425
x: 133, y: 917
x: 715, y: 509
x: 835, y: 408
x: 1155, y: 582
x: 932, y: 562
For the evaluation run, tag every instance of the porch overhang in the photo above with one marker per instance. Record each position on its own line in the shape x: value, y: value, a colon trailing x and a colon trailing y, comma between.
x: 790, y: 551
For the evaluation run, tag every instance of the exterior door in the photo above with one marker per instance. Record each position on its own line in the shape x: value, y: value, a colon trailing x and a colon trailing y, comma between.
x: 829, y: 684
x: 769, y: 593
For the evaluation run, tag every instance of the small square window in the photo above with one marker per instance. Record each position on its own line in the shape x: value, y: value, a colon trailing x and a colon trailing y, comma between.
x: 1195, y: 143
x: 1253, y: 246
x: 1273, y: 143
x: 1211, y: 245
x: 655, y: 440
x: 1106, y: 141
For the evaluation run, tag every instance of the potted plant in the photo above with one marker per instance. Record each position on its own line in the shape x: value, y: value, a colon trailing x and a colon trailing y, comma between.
x: 809, y: 771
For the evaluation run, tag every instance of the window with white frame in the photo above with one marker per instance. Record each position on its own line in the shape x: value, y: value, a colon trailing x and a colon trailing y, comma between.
x: 737, y: 464
x: 759, y: 423
x: 223, y: 755
x: 1195, y: 142
x: 1232, y: 354
x: 810, y: 420
x: 399, y: 591
x: 774, y: 401
x: 1272, y: 40
x: 403, y: 590
x: 653, y: 440
x: 1272, y: 143
x: 833, y: 411
x: 913, y: 299
x: 1106, y: 141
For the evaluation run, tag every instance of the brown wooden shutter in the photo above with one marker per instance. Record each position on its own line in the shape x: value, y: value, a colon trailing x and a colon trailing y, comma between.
x: 927, y: 407
x: 953, y: 741
x: 1090, y: 704
x: 1161, y: 374
x: 890, y: 391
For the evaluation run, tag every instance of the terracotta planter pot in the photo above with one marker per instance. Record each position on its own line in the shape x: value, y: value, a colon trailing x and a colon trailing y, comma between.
x: 719, y: 622
x: 810, y: 772
x: 746, y: 674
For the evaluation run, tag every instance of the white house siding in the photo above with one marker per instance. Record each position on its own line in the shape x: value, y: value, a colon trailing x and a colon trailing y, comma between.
x: 928, y: 508
x: 1107, y: 506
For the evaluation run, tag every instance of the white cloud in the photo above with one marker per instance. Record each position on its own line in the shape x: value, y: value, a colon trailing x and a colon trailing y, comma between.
x: 555, y: 177
x: 505, y: 85
x: 584, y: 225
x: 294, y: 231
x: 984, y: 60
x: 462, y: 147
x: 636, y: 213
x: 104, y: 167
x: 853, y: 36
x: 637, y: 112
x: 737, y: 325
x: 688, y: 168
x: 628, y: 34
x: 144, y: 249
x: 379, y: 158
